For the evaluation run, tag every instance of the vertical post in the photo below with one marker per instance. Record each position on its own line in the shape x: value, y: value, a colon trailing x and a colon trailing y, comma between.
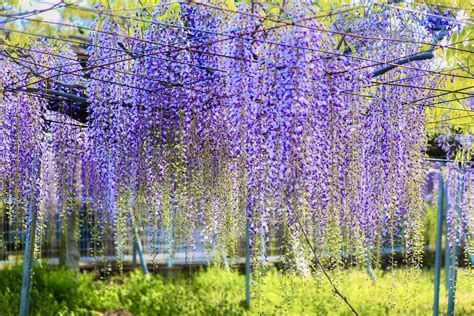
x: 134, y: 257
x: 29, y: 245
x: 368, y: 268
x: 455, y: 252
x: 247, y: 264
x: 447, y: 253
x: 171, y: 246
x: 452, y: 280
x: 138, y: 247
x: 439, y: 232
x: 224, y: 259
x: 137, y: 243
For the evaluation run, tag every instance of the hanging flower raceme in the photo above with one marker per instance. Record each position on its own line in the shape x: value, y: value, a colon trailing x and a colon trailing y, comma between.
x: 291, y: 122
x: 37, y: 146
x: 157, y: 133
x: 21, y: 149
x: 459, y: 195
x: 458, y: 192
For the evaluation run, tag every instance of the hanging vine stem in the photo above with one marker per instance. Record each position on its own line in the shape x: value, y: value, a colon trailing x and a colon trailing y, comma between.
x: 319, y: 264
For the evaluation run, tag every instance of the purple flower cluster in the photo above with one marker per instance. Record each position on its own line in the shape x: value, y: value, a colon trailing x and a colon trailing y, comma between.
x: 438, y: 19
x: 202, y: 122
x: 458, y: 186
x: 27, y: 143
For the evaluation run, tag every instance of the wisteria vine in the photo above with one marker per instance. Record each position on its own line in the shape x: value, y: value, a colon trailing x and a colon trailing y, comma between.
x: 203, y: 123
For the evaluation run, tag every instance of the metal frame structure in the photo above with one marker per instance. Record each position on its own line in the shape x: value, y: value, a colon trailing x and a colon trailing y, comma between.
x: 451, y: 253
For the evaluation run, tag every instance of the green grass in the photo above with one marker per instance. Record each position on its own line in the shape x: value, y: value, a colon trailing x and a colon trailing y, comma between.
x: 217, y: 292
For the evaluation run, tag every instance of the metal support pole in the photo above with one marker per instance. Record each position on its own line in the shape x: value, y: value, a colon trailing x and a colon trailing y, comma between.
x: 138, y: 247
x: 29, y: 246
x: 224, y: 259
x: 137, y: 243
x: 369, y: 269
x: 170, y: 262
x: 455, y: 252
x: 247, y: 264
x: 452, y: 280
x: 447, y: 265
x: 171, y: 244
x: 134, y: 258
x: 439, y: 232
x: 27, y: 263
x: 447, y: 253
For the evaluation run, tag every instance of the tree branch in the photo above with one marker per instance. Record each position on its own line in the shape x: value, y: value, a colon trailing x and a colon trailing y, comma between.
x: 319, y: 264
x: 421, y: 56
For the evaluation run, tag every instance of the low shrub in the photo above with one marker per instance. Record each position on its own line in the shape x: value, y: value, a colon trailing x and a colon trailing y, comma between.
x: 215, y: 291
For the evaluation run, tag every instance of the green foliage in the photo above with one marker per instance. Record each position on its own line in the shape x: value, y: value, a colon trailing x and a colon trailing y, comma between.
x: 218, y: 292
x: 54, y: 292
